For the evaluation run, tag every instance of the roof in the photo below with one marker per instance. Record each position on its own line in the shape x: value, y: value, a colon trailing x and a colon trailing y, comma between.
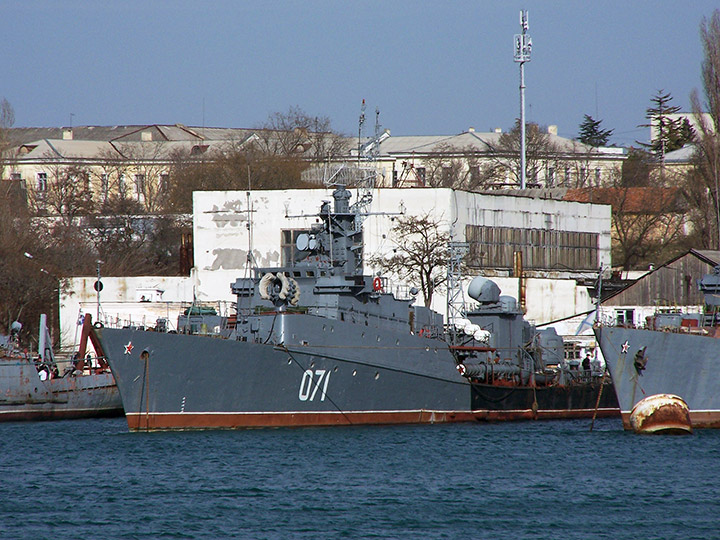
x: 175, y: 132
x: 53, y: 149
x: 474, y: 141
x: 632, y: 200
x: 681, y: 155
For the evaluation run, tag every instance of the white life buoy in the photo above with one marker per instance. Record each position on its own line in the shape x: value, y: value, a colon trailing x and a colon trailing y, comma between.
x: 265, y: 282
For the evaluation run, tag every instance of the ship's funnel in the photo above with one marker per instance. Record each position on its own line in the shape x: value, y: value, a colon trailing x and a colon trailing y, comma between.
x: 483, y: 290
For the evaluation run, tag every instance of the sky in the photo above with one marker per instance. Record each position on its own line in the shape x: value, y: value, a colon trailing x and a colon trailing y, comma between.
x: 430, y: 67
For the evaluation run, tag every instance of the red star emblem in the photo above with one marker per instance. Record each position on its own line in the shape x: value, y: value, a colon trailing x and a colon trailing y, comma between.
x: 128, y: 347
x: 625, y: 347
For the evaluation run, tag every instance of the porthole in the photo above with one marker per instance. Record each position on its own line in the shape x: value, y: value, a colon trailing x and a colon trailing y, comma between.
x: 289, y: 361
x: 335, y: 369
x: 354, y: 372
x: 377, y: 375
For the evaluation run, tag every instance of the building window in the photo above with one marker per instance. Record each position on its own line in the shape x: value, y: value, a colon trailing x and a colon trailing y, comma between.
x: 121, y: 185
x: 140, y: 186
x: 567, y: 176
x: 104, y: 186
x: 597, y: 176
x: 421, y: 175
x: 15, y: 176
x: 42, y: 181
x: 624, y: 317
x: 288, y: 251
x: 163, y: 182
x: 551, y: 177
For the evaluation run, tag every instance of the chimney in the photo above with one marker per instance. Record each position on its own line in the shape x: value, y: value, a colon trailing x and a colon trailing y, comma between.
x: 146, y: 136
x: 552, y: 130
x: 67, y: 134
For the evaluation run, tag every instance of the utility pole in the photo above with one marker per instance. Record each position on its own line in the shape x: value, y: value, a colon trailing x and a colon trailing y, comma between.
x: 523, y: 48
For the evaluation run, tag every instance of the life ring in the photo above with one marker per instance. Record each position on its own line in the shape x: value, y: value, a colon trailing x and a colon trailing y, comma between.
x: 266, y: 281
x: 377, y: 284
x: 98, y: 324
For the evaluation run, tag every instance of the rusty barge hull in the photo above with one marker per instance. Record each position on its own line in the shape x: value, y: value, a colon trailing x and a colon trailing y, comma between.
x: 24, y: 396
x: 575, y: 400
x: 678, y: 363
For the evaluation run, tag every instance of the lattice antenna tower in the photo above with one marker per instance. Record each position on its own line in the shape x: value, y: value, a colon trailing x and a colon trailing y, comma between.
x: 456, y: 308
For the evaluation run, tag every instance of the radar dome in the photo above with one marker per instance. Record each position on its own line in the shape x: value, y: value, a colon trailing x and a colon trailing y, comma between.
x: 483, y: 290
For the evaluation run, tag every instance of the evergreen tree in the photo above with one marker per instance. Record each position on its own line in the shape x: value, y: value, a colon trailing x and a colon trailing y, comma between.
x: 670, y: 133
x: 591, y: 133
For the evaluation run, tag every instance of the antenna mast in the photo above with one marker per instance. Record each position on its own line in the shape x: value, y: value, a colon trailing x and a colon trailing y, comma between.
x: 523, y: 48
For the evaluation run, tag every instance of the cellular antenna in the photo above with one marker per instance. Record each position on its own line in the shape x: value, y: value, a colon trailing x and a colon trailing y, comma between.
x: 523, y: 48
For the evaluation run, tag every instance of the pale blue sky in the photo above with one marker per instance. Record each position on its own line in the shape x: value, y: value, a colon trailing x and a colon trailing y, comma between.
x: 430, y: 67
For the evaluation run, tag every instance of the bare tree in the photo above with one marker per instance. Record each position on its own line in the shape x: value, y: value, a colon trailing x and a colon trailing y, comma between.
x: 648, y: 220
x: 7, y: 120
x: 706, y: 160
x: 297, y: 133
x: 65, y: 192
x: 457, y: 168
x: 540, y: 153
x: 420, y: 254
x: 147, y: 162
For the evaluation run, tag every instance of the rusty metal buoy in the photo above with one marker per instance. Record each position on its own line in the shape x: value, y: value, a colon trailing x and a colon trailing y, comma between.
x: 661, y: 414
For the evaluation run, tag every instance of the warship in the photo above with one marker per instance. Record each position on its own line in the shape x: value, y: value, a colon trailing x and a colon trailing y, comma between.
x: 32, y: 387
x: 316, y: 342
x: 675, y: 354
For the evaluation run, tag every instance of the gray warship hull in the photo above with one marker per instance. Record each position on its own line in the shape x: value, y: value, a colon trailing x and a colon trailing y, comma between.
x: 24, y: 396
x: 175, y: 381
x: 679, y: 363
x: 186, y: 382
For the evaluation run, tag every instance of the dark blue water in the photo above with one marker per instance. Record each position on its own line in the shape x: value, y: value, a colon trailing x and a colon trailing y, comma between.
x: 93, y: 479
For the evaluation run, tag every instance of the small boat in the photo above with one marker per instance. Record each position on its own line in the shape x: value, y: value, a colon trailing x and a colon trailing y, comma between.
x: 41, y: 387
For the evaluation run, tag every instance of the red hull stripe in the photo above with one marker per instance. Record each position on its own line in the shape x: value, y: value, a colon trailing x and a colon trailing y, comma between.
x: 168, y: 421
x: 698, y: 419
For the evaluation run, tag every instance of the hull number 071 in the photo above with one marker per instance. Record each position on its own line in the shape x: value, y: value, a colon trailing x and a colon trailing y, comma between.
x: 311, y: 382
